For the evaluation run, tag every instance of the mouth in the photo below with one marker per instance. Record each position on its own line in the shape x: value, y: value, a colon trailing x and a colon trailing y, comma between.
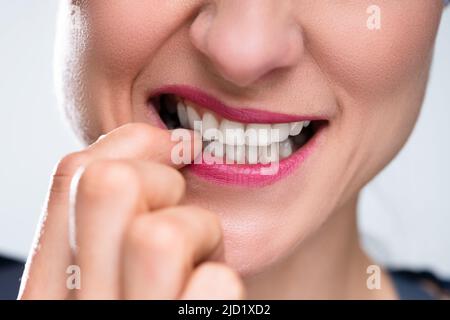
x: 239, y: 146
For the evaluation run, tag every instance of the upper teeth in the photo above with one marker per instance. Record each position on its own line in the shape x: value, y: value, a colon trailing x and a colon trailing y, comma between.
x: 253, y: 142
x: 182, y: 115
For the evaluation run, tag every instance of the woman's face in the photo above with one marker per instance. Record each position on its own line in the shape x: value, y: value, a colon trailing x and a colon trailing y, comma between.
x: 303, y: 59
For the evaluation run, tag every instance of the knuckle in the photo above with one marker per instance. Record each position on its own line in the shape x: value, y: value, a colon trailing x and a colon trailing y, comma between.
x: 158, y: 236
x: 141, y: 131
x: 234, y: 288
x: 176, y: 176
x: 145, y: 134
x: 226, y: 280
x: 65, y: 170
x: 107, y: 177
x: 69, y: 164
x: 177, y: 181
x: 202, y: 214
x: 237, y: 290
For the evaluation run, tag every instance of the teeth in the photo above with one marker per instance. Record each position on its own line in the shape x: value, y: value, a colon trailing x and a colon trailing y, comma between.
x: 251, y: 154
x: 210, y: 127
x: 235, y: 154
x: 182, y: 115
x: 235, y: 142
x: 258, y: 134
x: 280, y: 132
x: 215, y: 149
x: 192, y: 116
x: 286, y: 148
x: 268, y: 154
x: 296, y: 128
x: 233, y: 132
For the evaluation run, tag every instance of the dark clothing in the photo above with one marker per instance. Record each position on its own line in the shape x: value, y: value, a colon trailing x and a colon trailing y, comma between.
x: 10, y: 274
x: 419, y: 285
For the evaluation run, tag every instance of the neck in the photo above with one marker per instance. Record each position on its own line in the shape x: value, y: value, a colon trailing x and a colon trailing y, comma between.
x: 328, y: 265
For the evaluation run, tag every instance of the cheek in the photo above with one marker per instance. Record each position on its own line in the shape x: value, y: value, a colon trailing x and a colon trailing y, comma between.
x: 123, y: 37
x: 378, y: 78
x: 365, y: 62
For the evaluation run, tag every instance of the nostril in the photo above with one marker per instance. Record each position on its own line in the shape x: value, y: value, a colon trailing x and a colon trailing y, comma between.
x: 244, y: 48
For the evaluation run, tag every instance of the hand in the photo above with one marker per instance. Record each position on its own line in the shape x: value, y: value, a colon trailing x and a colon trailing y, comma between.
x: 128, y: 234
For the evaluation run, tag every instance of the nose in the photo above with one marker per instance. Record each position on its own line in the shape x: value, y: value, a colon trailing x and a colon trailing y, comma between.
x: 245, y: 40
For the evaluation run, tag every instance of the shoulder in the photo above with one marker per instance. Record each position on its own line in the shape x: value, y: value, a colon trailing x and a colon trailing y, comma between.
x: 10, y: 274
x: 418, y: 285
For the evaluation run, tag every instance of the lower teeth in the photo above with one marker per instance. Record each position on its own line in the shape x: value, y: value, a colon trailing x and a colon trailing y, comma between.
x: 219, y: 153
x: 244, y: 154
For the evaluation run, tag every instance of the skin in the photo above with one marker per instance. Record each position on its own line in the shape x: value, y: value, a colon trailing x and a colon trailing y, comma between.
x: 293, y: 239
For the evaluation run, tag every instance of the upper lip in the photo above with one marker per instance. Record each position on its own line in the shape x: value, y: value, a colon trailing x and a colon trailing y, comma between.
x: 240, y: 114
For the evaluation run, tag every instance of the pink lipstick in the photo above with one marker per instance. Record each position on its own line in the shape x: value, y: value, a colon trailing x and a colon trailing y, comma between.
x: 300, y: 143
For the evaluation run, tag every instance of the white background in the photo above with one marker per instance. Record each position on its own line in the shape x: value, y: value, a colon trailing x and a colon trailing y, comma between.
x: 405, y: 212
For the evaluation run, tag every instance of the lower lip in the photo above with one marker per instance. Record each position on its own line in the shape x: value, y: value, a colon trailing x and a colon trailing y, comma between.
x: 257, y: 175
